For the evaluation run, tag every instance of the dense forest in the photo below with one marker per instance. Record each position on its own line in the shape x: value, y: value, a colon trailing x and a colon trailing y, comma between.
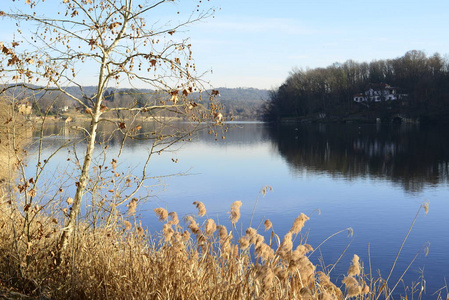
x: 328, y: 93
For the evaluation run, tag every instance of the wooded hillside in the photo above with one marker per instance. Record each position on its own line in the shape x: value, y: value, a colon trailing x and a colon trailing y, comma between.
x: 328, y: 93
x: 238, y: 103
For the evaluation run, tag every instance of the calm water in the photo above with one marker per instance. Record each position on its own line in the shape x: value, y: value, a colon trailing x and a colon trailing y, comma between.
x: 371, y: 178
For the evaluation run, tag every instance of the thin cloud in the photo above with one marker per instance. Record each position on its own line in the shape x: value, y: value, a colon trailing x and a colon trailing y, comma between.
x: 261, y: 25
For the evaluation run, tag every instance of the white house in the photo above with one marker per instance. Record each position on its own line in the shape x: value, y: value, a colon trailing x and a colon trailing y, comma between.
x: 378, y: 93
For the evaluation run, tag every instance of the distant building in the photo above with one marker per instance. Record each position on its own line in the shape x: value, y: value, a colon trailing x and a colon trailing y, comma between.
x: 378, y: 93
x: 25, y: 108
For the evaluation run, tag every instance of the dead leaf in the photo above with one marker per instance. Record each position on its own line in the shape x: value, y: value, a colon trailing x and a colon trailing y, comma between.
x: 103, y: 108
x: 115, y: 24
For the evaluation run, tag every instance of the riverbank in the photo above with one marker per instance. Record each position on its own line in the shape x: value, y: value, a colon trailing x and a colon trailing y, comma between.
x: 70, y: 118
x: 357, y: 119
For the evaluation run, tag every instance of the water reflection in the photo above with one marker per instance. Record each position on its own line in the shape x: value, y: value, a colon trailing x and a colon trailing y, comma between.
x: 410, y: 156
x: 134, y: 134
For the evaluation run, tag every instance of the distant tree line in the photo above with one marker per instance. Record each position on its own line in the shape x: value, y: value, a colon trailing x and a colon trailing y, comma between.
x: 243, y: 103
x: 238, y: 103
x: 328, y: 92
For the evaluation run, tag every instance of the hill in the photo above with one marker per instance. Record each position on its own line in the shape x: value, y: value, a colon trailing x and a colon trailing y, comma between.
x: 243, y: 103
x: 413, y: 87
x: 238, y: 103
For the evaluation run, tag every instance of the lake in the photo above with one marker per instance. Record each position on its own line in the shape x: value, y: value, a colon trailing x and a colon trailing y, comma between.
x: 371, y: 178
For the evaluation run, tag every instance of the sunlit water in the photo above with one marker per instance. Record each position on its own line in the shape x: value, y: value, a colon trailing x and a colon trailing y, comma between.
x: 370, y: 178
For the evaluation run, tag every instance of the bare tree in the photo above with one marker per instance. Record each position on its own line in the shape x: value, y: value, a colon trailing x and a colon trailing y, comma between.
x: 112, y: 40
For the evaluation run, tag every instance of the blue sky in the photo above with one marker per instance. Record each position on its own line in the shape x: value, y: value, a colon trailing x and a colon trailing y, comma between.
x: 257, y: 44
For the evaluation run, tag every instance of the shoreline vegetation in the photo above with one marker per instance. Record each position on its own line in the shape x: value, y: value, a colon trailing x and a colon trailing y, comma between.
x: 201, y: 260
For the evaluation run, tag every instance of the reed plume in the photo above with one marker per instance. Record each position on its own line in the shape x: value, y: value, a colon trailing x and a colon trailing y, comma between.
x: 222, y: 233
x: 210, y: 226
x: 264, y: 252
x: 224, y: 240
x: 353, y: 287
x: 185, y: 236
x: 354, y: 269
x: 193, y: 225
x: 285, y: 248
x: 174, y: 218
x: 251, y: 233
x: 301, y: 250
x: 201, y: 208
x: 168, y: 232
x: 267, y: 224
x: 298, y: 224
x: 327, y: 288
x: 235, y: 211
x: 161, y: 213
x: 244, y: 242
x: 132, y: 206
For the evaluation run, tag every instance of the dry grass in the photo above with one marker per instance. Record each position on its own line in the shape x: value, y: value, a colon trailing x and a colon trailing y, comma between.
x: 197, y: 262
x: 123, y: 262
x: 11, y: 124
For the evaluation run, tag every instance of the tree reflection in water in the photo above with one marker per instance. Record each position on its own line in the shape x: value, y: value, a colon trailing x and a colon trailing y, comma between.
x: 408, y: 155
